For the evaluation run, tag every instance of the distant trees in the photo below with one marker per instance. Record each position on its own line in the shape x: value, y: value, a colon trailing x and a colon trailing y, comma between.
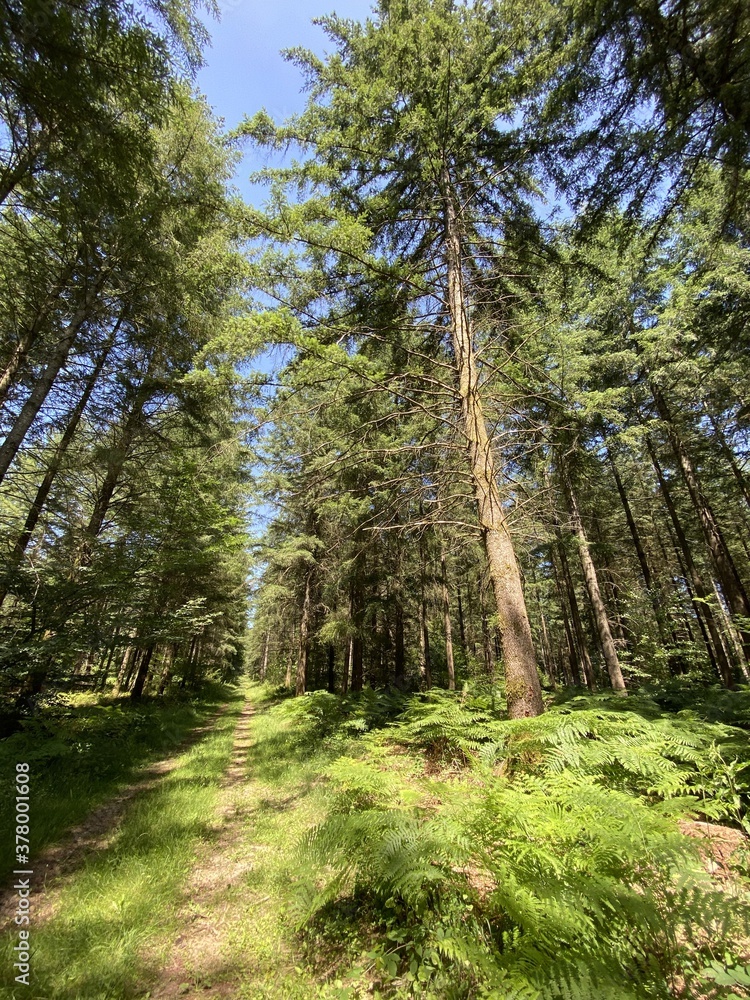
x: 499, y: 446
x: 594, y: 374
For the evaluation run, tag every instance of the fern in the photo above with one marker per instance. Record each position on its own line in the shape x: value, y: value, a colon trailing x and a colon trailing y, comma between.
x: 546, y: 866
x: 566, y: 888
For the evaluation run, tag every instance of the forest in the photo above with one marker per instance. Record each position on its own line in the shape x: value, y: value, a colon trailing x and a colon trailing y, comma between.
x: 375, y: 578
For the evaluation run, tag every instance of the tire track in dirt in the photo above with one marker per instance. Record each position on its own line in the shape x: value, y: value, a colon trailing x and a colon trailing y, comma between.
x: 196, y: 964
x: 95, y: 833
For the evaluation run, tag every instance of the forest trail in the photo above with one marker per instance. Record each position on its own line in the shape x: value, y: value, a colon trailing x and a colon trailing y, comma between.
x: 179, y: 886
x: 199, y: 886
x: 95, y: 833
x: 205, y: 915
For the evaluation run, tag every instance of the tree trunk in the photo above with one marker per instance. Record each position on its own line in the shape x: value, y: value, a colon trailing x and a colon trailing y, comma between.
x: 461, y: 627
x: 399, y: 679
x: 356, y: 612
x: 489, y: 663
x: 29, y: 336
x: 572, y: 674
x: 721, y: 558
x: 331, y: 652
x: 347, y: 666
x: 648, y: 578
x: 523, y: 690
x: 117, y: 458
x: 166, y: 672
x: 575, y: 615
x: 123, y: 671
x: 447, y: 620
x: 32, y: 518
x: 100, y: 680
x: 264, y: 662
x: 547, y: 653
x: 304, y: 640
x: 358, y: 670
x: 289, y: 653
x: 425, y: 666
x: 632, y: 526
x: 41, y: 389
x: 547, y: 656
x: 702, y: 596
x: 731, y: 635
x: 729, y: 456
x: 609, y: 578
x: 592, y: 587
x: 140, y: 679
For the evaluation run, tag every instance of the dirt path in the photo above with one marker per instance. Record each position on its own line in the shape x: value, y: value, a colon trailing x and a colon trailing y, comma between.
x: 94, y: 833
x: 199, y: 958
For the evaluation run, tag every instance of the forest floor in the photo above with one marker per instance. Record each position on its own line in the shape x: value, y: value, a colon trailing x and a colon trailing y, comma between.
x: 176, y: 885
x: 187, y: 882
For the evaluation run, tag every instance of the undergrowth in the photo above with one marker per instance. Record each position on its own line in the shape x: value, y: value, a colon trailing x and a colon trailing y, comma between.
x: 83, y: 748
x: 533, y: 858
x: 108, y: 926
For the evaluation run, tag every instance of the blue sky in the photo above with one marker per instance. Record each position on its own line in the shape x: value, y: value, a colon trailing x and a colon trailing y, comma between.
x: 244, y: 71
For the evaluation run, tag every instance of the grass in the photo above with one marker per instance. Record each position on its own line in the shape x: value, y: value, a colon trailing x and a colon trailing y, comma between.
x: 283, y: 798
x: 538, y: 815
x: 95, y: 943
x: 82, y: 749
x: 461, y: 855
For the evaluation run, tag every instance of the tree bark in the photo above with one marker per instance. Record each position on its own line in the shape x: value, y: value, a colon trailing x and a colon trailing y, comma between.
x: 447, y: 620
x: 489, y: 663
x: 572, y: 674
x: 356, y: 611
x: 425, y: 666
x: 117, y: 458
x: 331, y: 652
x: 632, y: 526
x: 289, y: 654
x: 42, y: 387
x: 523, y: 689
x: 358, y: 669
x: 601, y: 618
x: 32, y: 518
x: 675, y: 665
x: 30, y: 335
x: 304, y: 640
x: 721, y: 558
x: 347, y: 666
x: 399, y: 678
x: 729, y: 456
x: 264, y: 662
x: 575, y: 615
x: 140, y: 680
x: 166, y: 672
x: 702, y: 595
x: 123, y: 671
x: 461, y: 626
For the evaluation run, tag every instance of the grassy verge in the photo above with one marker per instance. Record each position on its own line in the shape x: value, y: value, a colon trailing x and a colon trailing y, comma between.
x: 81, y: 751
x: 96, y: 944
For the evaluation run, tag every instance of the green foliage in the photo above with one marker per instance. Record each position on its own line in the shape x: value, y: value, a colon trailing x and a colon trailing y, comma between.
x: 81, y: 749
x: 106, y: 932
x: 549, y: 868
x: 439, y: 723
x: 321, y: 717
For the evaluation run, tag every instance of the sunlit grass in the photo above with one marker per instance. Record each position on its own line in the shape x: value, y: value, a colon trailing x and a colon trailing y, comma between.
x: 125, y: 895
x: 113, y: 934
x: 82, y: 751
x: 283, y: 798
